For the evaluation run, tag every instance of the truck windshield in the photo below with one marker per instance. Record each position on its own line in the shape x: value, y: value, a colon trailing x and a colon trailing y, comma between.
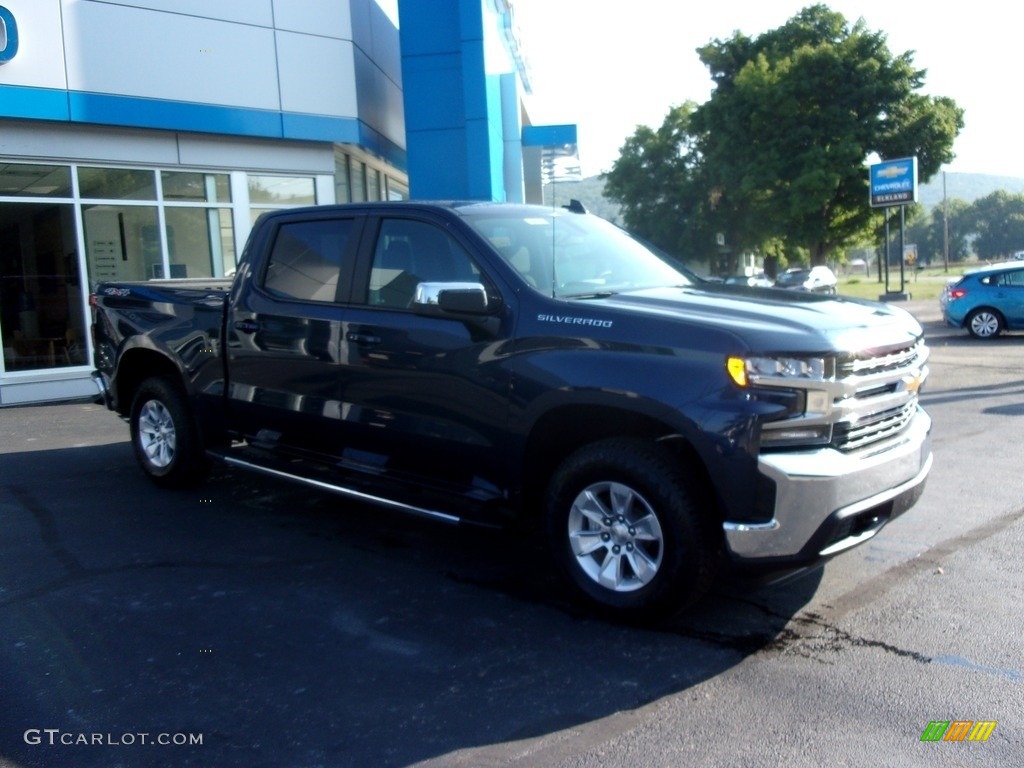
x: 570, y: 255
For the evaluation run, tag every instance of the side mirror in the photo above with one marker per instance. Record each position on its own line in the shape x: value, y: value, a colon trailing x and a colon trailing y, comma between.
x: 456, y: 298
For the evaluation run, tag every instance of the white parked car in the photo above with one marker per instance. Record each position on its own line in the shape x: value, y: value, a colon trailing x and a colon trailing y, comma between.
x: 813, y: 279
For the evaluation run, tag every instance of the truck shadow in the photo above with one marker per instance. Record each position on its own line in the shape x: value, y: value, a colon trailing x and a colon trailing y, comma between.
x: 291, y: 628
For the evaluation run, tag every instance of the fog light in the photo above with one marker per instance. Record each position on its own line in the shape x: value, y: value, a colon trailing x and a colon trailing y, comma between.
x: 796, y: 435
x: 817, y: 401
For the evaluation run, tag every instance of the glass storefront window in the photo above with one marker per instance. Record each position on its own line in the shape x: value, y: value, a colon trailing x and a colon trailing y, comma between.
x: 358, y: 182
x: 199, y: 241
x: 372, y: 184
x: 282, y: 190
x: 196, y: 187
x: 42, y: 313
x: 24, y: 180
x: 342, y: 193
x: 122, y: 242
x: 116, y: 184
x: 397, y: 190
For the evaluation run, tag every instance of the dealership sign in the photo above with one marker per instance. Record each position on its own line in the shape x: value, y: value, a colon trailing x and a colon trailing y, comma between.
x: 894, y: 182
x: 8, y: 36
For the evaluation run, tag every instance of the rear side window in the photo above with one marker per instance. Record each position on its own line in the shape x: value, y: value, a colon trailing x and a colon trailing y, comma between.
x: 1014, y: 279
x: 306, y: 261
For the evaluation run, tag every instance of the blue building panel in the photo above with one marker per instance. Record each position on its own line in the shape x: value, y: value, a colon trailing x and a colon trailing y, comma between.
x: 341, y: 130
x: 173, y: 115
x: 428, y: 28
x: 34, y: 103
x: 453, y: 107
x: 437, y: 161
x: 435, y: 107
x: 548, y: 135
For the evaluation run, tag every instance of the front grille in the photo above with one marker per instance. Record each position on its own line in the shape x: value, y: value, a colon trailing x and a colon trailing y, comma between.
x: 850, y: 437
x: 877, y: 394
x: 871, y: 399
x: 879, y: 361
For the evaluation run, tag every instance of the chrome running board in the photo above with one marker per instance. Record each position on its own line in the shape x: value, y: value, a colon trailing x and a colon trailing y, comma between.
x: 339, y: 489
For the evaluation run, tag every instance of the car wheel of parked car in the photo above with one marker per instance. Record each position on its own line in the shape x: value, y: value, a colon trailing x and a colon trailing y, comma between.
x: 164, y: 437
x: 984, y: 323
x: 624, y: 525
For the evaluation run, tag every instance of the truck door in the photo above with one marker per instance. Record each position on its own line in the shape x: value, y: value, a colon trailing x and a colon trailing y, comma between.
x: 284, y: 332
x: 427, y: 395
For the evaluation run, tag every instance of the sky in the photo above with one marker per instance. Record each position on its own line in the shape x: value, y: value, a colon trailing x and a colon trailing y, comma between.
x: 610, y: 66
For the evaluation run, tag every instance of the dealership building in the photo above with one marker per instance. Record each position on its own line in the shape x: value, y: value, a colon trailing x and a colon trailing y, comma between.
x: 140, y: 139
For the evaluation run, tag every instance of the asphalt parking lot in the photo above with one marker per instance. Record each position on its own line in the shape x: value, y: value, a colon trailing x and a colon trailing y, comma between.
x: 252, y: 623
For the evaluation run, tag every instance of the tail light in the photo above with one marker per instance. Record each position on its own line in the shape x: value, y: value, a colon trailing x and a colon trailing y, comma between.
x: 957, y: 293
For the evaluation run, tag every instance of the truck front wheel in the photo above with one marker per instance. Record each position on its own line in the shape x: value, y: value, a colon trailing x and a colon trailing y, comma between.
x: 625, y: 526
x: 164, y: 436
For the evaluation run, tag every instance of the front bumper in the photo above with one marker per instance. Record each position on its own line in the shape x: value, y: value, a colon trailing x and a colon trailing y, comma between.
x: 102, y: 382
x: 828, y: 501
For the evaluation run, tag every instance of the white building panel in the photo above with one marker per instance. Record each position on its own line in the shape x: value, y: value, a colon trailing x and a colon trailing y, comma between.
x: 254, y: 154
x: 317, y: 75
x: 126, y: 51
x: 329, y: 18
x: 257, y: 12
x: 40, y: 59
x: 61, y: 141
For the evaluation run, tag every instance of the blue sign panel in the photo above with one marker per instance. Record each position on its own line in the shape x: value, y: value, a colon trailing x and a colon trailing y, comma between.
x: 894, y: 182
x: 8, y: 36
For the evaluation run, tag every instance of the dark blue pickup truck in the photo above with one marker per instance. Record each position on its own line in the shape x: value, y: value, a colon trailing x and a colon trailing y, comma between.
x: 498, y: 363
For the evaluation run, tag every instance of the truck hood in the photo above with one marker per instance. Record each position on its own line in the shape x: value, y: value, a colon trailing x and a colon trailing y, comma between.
x: 777, y: 320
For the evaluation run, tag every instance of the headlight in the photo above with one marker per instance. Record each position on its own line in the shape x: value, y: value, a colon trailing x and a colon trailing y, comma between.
x: 781, y: 371
x: 805, y: 376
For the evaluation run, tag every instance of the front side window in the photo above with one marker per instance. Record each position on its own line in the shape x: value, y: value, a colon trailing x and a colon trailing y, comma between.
x: 307, y: 259
x: 411, y: 252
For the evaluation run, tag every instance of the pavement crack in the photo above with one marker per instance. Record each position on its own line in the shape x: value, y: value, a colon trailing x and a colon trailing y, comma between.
x: 806, y: 634
x: 48, y: 530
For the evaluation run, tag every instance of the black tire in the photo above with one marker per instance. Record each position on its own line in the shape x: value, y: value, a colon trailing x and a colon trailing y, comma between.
x: 626, y: 526
x: 164, y: 435
x: 985, y: 323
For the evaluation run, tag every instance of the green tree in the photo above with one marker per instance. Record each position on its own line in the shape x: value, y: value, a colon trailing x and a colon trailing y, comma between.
x: 654, y: 181
x: 998, y: 220
x: 930, y: 233
x: 776, y: 155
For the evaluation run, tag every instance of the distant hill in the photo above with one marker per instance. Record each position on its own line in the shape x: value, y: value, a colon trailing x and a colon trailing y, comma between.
x: 589, y: 191
x: 959, y: 186
x: 967, y: 186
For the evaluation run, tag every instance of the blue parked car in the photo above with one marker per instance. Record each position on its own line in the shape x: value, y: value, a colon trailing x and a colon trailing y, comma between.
x: 986, y: 301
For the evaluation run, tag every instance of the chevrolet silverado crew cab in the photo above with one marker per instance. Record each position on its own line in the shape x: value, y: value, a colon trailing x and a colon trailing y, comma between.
x: 499, y: 363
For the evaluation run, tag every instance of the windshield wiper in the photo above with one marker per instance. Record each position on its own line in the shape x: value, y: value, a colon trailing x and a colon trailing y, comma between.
x: 591, y: 295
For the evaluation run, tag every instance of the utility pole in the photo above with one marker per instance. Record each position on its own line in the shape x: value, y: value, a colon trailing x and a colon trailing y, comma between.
x: 945, y: 225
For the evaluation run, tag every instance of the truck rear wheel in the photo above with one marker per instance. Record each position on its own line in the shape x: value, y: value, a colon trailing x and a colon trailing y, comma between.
x: 164, y: 435
x: 624, y: 524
